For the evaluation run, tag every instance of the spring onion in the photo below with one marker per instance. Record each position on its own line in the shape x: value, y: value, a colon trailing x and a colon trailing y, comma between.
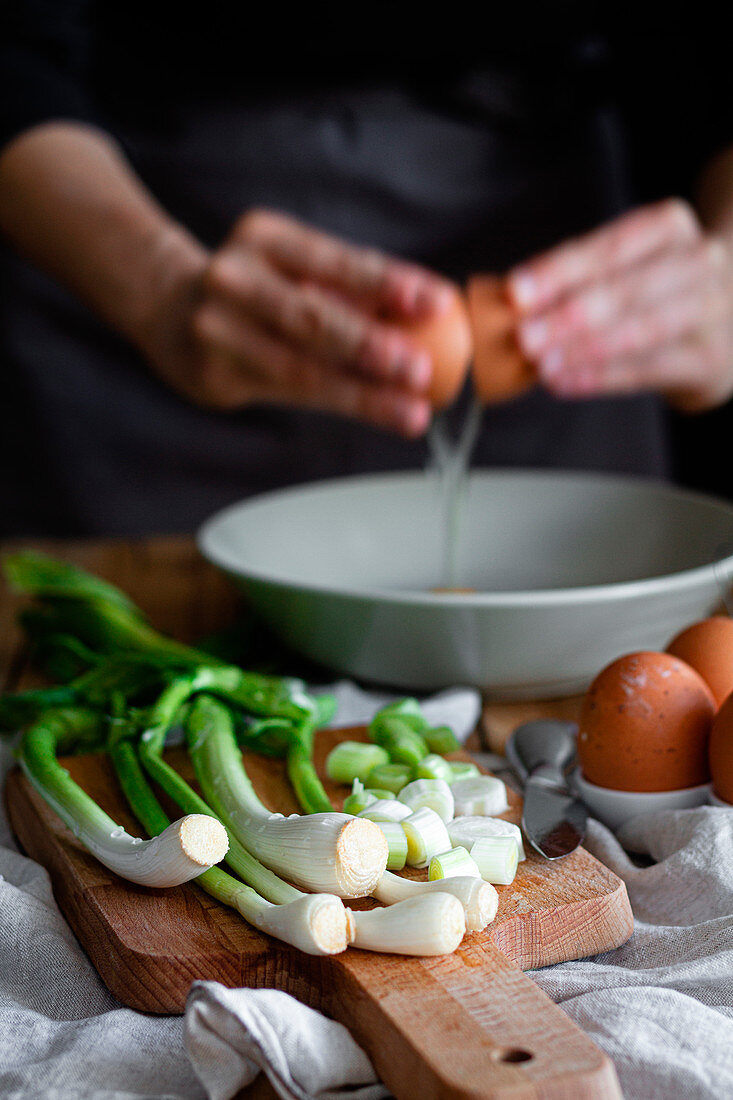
x: 329, y: 852
x: 429, y: 924
x: 352, y: 760
x: 441, y: 740
x: 359, y: 799
x: 467, y: 830
x: 462, y: 769
x: 478, y: 898
x: 393, y: 727
x: 315, y: 923
x: 480, y: 795
x: 426, y: 837
x: 454, y: 863
x: 181, y: 852
x: 93, y: 611
x: 386, y: 810
x: 496, y: 858
x: 390, y: 777
x: 288, y: 720
x: 394, y: 834
x: 383, y: 796
x: 433, y: 793
x: 433, y: 766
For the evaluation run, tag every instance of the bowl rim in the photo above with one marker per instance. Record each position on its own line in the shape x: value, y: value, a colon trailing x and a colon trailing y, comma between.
x: 614, y: 591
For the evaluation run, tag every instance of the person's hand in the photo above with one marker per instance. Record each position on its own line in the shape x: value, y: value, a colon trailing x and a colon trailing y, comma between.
x: 286, y: 314
x: 644, y: 303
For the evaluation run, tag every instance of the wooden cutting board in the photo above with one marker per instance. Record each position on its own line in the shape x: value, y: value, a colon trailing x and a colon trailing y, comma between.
x: 464, y: 1025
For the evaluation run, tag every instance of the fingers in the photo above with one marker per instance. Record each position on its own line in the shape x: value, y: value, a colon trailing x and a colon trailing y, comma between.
x: 536, y: 285
x: 246, y: 364
x: 243, y: 286
x: 660, y: 321
x: 693, y: 372
x: 365, y: 275
x: 597, y: 308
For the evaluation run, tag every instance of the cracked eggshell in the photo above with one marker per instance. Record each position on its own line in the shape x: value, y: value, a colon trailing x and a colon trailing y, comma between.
x: 644, y: 725
x: 448, y: 340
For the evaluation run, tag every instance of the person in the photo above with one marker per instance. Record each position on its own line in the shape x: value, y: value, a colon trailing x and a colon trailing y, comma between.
x: 209, y: 249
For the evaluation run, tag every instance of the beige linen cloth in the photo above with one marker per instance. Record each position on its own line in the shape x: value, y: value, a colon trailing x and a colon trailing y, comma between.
x: 661, y: 1005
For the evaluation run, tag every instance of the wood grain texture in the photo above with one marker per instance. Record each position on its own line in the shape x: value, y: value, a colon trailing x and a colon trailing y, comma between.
x: 466, y: 1025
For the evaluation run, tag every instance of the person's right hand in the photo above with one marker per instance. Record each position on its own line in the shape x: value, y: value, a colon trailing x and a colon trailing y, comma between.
x: 284, y: 314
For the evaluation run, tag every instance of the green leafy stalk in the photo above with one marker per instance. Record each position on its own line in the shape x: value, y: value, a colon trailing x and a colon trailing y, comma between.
x: 93, y: 611
x: 162, y: 718
x: 59, y: 731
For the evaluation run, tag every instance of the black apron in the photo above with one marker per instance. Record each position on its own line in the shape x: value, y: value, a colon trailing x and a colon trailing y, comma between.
x: 95, y: 443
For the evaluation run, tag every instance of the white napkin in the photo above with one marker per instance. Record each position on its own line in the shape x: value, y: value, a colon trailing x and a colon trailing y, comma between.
x: 459, y: 708
x: 232, y: 1034
x: 661, y: 1005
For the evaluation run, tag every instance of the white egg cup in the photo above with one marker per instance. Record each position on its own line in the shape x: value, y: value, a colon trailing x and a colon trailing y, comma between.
x: 614, y: 808
x: 715, y: 801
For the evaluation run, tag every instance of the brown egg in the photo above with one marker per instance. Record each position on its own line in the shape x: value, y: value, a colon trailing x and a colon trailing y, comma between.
x: 721, y: 751
x: 448, y: 339
x: 644, y: 725
x: 500, y: 371
x: 708, y: 647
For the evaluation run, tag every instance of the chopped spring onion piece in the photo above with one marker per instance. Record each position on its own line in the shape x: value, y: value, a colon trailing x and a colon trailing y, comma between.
x: 482, y: 794
x: 453, y: 864
x: 433, y: 766
x: 441, y: 739
x: 478, y: 898
x: 496, y: 858
x: 359, y: 799
x: 386, y: 810
x: 393, y: 727
x: 180, y: 853
x: 316, y: 923
x: 426, y: 836
x: 390, y: 777
x: 428, y: 924
x: 324, y: 852
x: 352, y: 760
x: 396, y: 842
x: 462, y: 769
x: 467, y: 830
x: 433, y: 793
x: 383, y: 796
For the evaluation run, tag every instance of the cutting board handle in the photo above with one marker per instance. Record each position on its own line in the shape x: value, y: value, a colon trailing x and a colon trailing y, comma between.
x: 495, y: 1035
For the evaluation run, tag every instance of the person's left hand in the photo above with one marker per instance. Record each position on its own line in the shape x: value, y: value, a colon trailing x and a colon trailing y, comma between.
x: 644, y: 303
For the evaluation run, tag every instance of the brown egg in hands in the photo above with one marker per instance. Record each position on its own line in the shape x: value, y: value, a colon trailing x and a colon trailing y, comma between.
x: 644, y: 725
x: 500, y: 370
x: 447, y: 339
x: 707, y: 647
x: 721, y: 752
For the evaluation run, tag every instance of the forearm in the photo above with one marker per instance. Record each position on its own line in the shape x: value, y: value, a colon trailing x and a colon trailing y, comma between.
x: 71, y: 203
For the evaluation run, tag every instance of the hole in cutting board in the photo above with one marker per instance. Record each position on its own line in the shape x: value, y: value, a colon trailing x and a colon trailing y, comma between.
x: 512, y: 1054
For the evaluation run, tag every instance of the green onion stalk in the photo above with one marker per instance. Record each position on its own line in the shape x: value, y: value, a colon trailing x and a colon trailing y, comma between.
x: 179, y: 854
x: 315, y: 923
x: 89, y: 609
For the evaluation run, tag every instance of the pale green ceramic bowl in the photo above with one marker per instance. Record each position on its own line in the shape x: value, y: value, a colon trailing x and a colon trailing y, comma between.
x: 573, y: 570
